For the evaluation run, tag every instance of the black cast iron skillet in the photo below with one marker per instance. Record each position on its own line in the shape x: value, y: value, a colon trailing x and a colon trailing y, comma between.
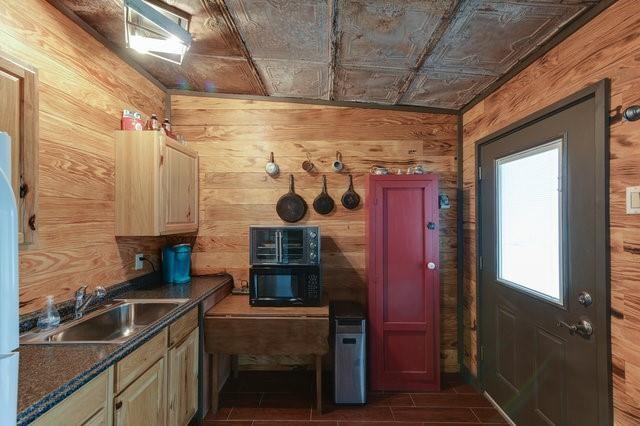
x: 350, y: 199
x: 291, y: 207
x: 323, y: 203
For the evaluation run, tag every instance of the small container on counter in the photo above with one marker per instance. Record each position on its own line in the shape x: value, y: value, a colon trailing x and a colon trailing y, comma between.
x: 50, y: 317
x: 176, y: 264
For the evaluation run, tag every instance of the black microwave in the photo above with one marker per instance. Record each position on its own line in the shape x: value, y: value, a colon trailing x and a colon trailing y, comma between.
x: 285, y: 286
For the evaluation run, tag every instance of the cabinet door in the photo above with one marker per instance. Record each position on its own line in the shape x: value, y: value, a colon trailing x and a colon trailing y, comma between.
x: 404, y: 283
x: 179, y: 193
x: 19, y: 118
x: 143, y: 401
x: 183, y: 380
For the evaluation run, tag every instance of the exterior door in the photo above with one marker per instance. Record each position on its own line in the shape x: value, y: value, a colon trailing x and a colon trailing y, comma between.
x: 543, y: 269
x: 404, y: 282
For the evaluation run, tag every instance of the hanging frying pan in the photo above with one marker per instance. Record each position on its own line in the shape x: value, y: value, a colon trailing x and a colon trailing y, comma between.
x: 323, y: 203
x: 291, y: 207
x: 350, y: 199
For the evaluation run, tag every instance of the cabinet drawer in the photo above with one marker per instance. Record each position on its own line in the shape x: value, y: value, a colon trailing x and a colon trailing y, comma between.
x: 89, y: 405
x: 183, y: 326
x: 140, y: 360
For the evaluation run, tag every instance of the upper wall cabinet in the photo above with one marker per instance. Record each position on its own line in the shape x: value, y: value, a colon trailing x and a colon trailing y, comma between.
x: 19, y: 118
x: 156, y: 185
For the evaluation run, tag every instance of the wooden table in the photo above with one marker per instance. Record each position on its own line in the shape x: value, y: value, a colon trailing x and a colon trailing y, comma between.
x: 234, y: 327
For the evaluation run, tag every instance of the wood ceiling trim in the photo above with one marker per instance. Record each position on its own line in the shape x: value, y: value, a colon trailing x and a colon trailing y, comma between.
x: 348, y: 104
x: 428, y: 48
x: 226, y: 15
x: 119, y: 51
x: 545, y: 47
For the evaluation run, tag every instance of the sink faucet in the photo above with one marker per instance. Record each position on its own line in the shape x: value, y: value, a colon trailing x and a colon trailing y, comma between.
x: 82, y: 301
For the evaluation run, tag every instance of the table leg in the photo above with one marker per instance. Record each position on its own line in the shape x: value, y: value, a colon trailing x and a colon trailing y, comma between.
x: 234, y: 366
x: 215, y: 386
x: 319, y: 383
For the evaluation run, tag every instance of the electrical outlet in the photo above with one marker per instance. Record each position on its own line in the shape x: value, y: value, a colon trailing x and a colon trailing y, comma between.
x: 138, y: 259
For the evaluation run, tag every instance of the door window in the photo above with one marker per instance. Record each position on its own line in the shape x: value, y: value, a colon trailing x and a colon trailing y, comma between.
x: 529, y: 208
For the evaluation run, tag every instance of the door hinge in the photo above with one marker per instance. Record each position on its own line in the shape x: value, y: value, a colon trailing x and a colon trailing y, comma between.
x: 479, y: 173
x: 481, y: 352
x: 481, y: 261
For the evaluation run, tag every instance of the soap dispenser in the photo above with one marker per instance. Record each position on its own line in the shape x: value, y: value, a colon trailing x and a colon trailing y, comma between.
x: 50, y: 318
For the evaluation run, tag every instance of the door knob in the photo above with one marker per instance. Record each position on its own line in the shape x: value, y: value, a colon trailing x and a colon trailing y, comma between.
x: 583, y: 328
x: 431, y: 265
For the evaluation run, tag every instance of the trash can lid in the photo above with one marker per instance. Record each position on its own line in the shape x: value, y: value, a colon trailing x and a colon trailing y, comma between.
x: 347, y: 309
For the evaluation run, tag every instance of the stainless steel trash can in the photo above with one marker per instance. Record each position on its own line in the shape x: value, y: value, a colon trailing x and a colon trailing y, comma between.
x: 349, y: 354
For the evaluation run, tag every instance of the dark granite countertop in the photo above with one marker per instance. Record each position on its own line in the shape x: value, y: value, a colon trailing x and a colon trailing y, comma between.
x: 49, y: 373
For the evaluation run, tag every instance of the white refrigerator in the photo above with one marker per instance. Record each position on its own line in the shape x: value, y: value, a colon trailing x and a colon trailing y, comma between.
x: 9, y: 316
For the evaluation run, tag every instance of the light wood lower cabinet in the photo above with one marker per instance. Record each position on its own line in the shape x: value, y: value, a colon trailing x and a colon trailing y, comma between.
x: 89, y: 405
x: 157, y: 384
x: 143, y: 402
x: 183, y: 380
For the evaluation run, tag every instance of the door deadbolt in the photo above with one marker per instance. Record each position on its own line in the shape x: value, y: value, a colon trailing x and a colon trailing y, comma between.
x: 585, y: 299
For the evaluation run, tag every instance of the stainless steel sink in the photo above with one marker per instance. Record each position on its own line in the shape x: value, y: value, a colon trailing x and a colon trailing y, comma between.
x: 112, y: 324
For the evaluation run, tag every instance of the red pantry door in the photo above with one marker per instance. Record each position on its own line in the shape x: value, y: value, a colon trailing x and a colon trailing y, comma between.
x: 404, y: 284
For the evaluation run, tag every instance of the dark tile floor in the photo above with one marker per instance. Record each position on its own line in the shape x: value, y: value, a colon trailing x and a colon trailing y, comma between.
x: 259, y: 398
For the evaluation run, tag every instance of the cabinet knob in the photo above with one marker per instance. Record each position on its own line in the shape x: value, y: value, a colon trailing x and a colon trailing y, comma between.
x: 431, y: 265
x: 118, y: 405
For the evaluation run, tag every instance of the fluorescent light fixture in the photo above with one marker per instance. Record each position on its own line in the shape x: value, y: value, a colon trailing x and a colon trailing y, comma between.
x: 157, y: 29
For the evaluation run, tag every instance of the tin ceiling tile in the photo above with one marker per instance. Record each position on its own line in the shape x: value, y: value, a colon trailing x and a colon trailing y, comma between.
x: 459, y: 46
x: 284, y: 29
x: 444, y: 89
x: 490, y: 37
x: 298, y: 79
x: 381, y: 85
x: 203, y: 74
x: 387, y: 33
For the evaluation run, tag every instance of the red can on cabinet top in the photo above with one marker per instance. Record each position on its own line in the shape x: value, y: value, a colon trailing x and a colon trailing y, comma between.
x: 403, y: 282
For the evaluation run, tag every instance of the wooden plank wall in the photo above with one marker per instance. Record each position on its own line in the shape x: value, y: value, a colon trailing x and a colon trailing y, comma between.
x: 607, y: 47
x: 234, y: 138
x: 83, y: 89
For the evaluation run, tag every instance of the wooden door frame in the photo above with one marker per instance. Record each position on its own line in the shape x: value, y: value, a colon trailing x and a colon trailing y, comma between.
x: 600, y: 92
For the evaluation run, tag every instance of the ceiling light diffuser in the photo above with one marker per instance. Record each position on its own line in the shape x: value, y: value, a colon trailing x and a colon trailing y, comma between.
x: 157, y: 29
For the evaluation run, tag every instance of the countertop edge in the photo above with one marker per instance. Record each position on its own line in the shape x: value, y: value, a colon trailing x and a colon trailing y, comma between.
x: 56, y: 396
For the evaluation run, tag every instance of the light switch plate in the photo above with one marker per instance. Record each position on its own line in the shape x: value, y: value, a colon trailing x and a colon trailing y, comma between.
x: 633, y: 200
